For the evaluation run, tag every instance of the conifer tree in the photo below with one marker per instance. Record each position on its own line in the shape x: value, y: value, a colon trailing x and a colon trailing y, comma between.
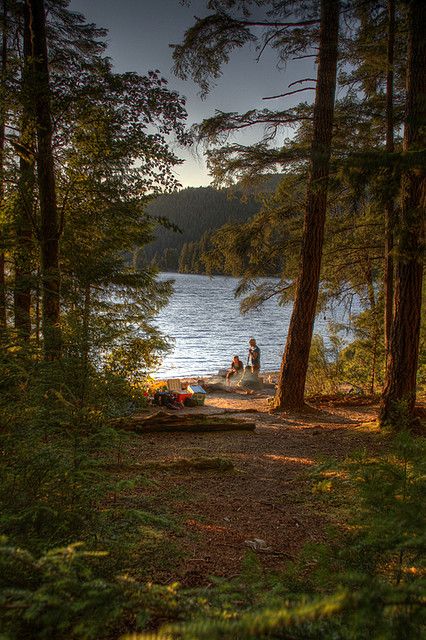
x: 400, y: 385
x: 4, y: 51
x: 291, y: 385
x: 50, y: 230
x: 221, y: 34
x: 389, y: 205
x: 24, y: 207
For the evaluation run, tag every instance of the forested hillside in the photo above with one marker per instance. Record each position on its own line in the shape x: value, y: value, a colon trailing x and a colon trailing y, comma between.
x: 194, y: 211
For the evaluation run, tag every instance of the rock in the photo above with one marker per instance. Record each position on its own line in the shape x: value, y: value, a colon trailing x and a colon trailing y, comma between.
x: 250, y: 380
x: 257, y: 545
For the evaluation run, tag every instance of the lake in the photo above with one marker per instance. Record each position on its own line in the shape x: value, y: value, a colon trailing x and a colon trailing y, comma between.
x: 204, y: 319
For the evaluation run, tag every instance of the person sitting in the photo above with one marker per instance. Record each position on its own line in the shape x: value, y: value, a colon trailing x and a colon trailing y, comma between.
x: 236, y: 368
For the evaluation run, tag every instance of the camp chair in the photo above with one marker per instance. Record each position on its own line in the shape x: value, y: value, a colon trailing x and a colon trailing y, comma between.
x: 174, y: 384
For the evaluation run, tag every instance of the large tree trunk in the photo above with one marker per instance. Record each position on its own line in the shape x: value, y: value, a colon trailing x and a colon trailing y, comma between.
x: 399, y: 394
x: 46, y: 181
x: 3, y: 324
x: 389, y: 205
x: 3, y: 318
x: 85, y: 344
x: 23, y: 252
x: 24, y: 205
x: 291, y: 385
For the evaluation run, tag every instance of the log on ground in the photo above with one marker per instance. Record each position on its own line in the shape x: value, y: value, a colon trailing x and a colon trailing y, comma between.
x: 161, y: 421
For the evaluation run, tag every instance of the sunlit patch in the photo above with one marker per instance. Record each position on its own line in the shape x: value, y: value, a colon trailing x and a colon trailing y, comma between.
x: 335, y: 474
x: 278, y: 458
x: 206, y: 527
x: 415, y: 571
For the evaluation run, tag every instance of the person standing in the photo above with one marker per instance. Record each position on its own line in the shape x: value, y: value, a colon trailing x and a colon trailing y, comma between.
x: 253, y: 356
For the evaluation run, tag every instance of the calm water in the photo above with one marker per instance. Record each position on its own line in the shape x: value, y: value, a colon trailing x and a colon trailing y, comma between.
x: 204, y: 318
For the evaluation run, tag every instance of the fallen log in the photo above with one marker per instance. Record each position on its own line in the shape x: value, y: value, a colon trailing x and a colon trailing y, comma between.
x: 198, y: 464
x: 161, y: 422
x: 188, y: 427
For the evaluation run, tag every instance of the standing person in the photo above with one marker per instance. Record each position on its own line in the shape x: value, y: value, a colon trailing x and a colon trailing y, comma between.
x: 235, y: 368
x: 253, y: 356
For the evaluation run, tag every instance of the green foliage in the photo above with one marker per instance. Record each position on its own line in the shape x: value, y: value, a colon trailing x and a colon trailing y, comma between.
x: 54, y: 490
x: 325, y: 371
x: 56, y: 595
x: 362, y: 362
x: 64, y: 594
x: 49, y: 476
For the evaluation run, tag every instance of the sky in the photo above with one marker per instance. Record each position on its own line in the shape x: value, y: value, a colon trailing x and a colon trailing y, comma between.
x: 140, y: 32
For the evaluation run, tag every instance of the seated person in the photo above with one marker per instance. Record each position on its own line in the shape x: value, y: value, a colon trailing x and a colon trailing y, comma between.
x: 236, y: 367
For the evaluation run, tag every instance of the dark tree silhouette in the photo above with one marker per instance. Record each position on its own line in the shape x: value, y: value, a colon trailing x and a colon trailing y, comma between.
x: 400, y: 385
x: 389, y: 205
x: 24, y: 204
x: 3, y: 319
x: 49, y: 228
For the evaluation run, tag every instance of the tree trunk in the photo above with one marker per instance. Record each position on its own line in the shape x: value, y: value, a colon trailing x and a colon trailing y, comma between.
x: 37, y: 322
x: 49, y: 228
x: 389, y: 205
x: 399, y: 394
x: 376, y: 329
x: 291, y: 385
x: 23, y: 251
x: 23, y: 209
x: 3, y: 322
x: 3, y: 318
x: 85, y: 347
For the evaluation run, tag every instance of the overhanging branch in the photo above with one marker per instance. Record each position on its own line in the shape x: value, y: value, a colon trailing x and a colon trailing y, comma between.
x: 289, y: 93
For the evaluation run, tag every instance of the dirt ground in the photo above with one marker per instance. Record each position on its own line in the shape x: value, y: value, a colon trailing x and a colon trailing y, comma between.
x: 268, y: 495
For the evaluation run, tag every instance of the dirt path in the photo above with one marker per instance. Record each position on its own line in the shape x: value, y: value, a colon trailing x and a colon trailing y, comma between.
x: 267, y: 496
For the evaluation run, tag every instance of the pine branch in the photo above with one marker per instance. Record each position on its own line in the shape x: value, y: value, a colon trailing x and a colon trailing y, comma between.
x: 311, y: 55
x: 276, y: 25
x: 289, y: 93
x: 303, y: 80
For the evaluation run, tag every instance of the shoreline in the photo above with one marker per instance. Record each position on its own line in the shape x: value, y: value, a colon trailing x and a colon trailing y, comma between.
x: 267, y: 376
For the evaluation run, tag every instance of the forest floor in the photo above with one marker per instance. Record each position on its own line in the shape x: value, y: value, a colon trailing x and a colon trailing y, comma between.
x: 261, y: 494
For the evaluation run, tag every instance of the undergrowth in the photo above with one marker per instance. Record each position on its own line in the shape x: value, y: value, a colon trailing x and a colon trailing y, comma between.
x: 78, y: 552
x: 368, y: 581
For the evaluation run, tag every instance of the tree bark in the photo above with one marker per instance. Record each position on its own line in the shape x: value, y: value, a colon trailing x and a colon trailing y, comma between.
x: 49, y: 228
x: 23, y: 252
x: 24, y: 205
x: 37, y: 323
x: 85, y: 346
x: 375, y: 320
x: 389, y: 205
x: 292, y: 379
x: 399, y: 393
x: 3, y: 316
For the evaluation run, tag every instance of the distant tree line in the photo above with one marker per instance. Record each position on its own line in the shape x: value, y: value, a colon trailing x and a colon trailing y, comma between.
x: 190, y: 215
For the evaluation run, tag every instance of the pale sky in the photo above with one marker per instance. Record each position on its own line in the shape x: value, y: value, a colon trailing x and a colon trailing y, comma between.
x: 140, y: 32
